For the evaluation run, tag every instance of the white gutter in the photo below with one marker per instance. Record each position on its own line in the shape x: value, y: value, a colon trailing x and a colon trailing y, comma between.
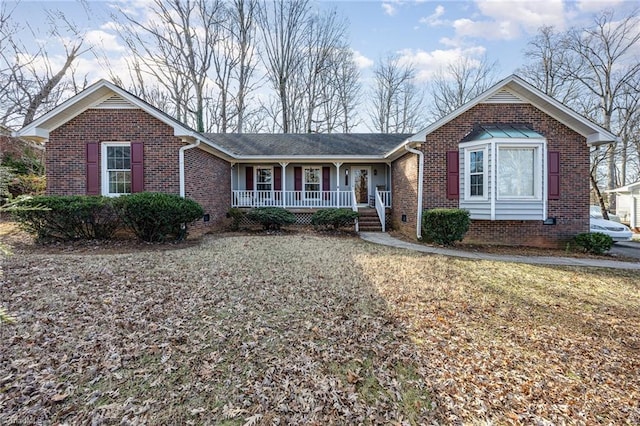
x: 420, y: 185
x: 181, y: 162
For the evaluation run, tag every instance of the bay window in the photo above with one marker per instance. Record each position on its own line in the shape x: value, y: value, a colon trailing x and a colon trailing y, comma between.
x: 517, y: 172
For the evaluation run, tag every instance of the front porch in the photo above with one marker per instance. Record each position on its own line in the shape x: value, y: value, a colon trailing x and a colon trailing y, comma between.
x: 308, y: 187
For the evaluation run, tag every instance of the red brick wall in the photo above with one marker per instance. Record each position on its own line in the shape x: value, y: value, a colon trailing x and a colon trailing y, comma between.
x: 65, y: 157
x: 208, y: 181
x: 404, y: 179
x: 571, y: 210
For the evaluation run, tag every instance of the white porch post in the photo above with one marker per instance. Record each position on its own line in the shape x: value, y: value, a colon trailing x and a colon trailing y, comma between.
x: 337, y: 164
x: 390, y: 183
x: 284, y: 183
x: 233, y: 194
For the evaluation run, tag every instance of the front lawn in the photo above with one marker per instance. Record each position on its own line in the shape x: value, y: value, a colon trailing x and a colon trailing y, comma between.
x: 302, y: 329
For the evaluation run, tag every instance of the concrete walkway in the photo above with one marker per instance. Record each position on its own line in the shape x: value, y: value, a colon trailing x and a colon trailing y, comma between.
x: 387, y: 240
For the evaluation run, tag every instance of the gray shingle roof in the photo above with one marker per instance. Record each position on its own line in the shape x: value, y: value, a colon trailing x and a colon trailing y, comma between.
x: 311, y: 144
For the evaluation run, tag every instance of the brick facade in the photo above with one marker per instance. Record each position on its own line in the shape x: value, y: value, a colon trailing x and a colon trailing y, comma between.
x: 208, y: 181
x: 571, y: 210
x: 65, y: 157
x: 404, y: 201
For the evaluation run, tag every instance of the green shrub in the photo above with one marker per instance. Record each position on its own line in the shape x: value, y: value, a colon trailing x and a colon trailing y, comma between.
x: 594, y: 242
x: 271, y: 217
x: 445, y: 226
x: 67, y: 217
x: 236, y: 216
x: 334, y: 218
x: 157, y: 217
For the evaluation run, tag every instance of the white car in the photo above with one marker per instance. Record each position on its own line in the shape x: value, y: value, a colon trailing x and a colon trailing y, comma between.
x: 596, y: 212
x: 617, y: 231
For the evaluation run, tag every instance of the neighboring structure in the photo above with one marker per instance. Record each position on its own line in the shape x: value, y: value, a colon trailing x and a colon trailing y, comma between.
x: 628, y: 204
x: 515, y: 158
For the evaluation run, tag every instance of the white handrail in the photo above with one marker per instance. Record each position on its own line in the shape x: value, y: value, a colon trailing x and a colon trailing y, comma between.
x: 380, y: 209
x: 354, y: 206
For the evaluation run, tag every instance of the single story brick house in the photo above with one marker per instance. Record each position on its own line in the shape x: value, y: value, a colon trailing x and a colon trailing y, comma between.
x: 517, y: 159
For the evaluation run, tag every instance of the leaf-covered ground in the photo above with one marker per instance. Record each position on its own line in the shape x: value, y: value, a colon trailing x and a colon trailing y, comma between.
x: 302, y: 329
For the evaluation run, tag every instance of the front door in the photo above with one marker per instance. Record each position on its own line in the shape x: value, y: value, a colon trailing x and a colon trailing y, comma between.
x: 360, y: 184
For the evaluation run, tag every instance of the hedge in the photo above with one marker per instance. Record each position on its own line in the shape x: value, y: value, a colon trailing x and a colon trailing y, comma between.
x: 334, y: 218
x: 445, y: 226
x: 157, y: 217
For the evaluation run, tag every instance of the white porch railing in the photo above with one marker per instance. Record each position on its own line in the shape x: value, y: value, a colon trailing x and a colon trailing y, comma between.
x: 380, y: 209
x: 301, y: 199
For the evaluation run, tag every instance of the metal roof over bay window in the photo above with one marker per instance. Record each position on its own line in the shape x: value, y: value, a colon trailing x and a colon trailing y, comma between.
x: 502, y: 131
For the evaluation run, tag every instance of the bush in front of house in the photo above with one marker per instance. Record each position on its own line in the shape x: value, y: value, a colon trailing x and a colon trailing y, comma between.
x: 445, y: 226
x: 68, y: 217
x: 594, y: 242
x: 157, y: 217
x: 334, y: 218
x: 271, y: 217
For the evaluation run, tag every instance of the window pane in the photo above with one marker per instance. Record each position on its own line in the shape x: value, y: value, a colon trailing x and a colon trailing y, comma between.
x: 118, y: 157
x: 477, y: 185
x: 119, y: 182
x: 516, y: 171
x: 476, y: 162
x: 312, y: 175
x: 263, y: 179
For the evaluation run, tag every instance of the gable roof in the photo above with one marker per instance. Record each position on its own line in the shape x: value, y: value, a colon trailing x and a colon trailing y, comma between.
x: 104, y: 94
x: 514, y: 89
x: 308, y: 145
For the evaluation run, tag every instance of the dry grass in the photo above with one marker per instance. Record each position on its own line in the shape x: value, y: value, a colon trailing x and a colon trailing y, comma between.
x: 303, y: 329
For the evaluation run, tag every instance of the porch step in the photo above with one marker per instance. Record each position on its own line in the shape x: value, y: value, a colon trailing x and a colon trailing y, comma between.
x: 369, y: 221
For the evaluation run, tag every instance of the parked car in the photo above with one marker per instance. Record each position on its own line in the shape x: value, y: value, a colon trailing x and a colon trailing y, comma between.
x: 617, y: 231
x: 595, y: 211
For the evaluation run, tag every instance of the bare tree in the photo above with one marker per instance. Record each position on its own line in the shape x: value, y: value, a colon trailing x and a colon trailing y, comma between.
x: 341, y: 93
x: 283, y: 24
x: 325, y: 39
x: 460, y: 82
x: 243, y: 15
x: 397, y: 101
x: 176, y: 47
x: 606, y: 69
x: 549, y: 62
x: 628, y: 119
x: 30, y: 79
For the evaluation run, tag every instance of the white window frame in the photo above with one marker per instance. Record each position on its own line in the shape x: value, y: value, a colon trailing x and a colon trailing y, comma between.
x: 468, y: 149
x: 104, y: 172
x: 538, y: 149
x: 304, y: 183
x: 268, y: 195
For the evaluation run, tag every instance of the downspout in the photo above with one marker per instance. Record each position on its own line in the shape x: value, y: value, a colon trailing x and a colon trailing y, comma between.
x: 420, y: 185
x: 181, y: 161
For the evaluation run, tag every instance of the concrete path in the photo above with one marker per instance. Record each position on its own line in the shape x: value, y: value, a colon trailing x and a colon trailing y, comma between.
x: 387, y: 240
